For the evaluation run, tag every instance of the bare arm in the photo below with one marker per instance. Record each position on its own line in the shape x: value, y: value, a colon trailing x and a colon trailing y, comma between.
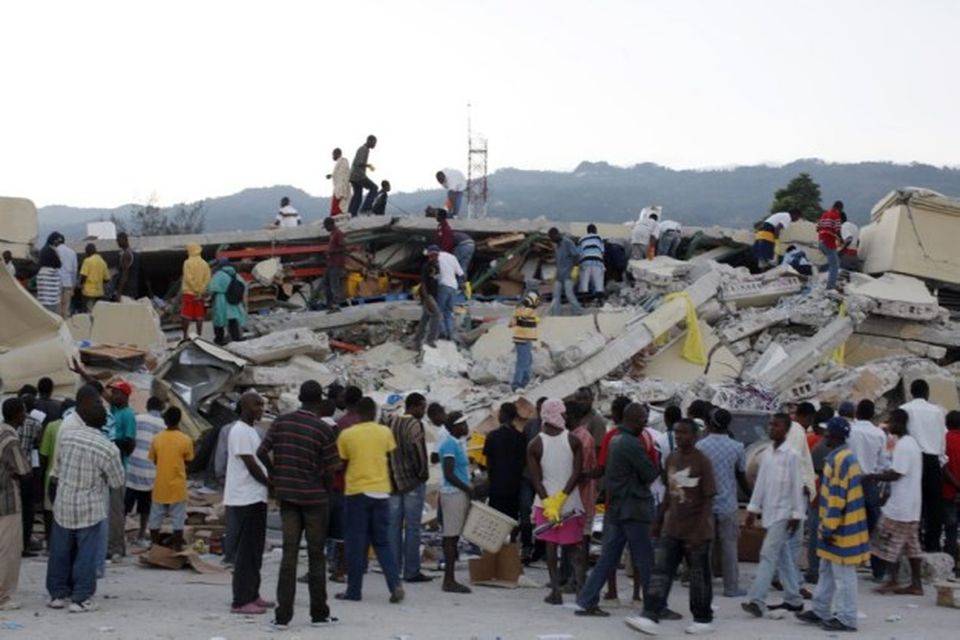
x: 577, y: 464
x: 534, y: 452
x: 450, y: 476
x: 250, y: 462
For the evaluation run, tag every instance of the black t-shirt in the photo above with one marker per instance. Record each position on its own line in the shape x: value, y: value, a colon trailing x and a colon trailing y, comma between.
x: 506, y: 453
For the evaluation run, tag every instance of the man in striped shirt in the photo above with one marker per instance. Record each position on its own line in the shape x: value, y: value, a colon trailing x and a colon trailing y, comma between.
x: 591, y: 261
x: 304, y: 449
x: 140, y: 471
x: 842, y: 540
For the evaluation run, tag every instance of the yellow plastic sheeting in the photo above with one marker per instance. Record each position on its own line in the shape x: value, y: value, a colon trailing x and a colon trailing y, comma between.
x: 840, y: 353
x: 693, y: 349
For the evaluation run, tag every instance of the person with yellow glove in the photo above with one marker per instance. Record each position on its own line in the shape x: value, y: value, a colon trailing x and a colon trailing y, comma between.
x: 555, y: 459
x: 567, y: 257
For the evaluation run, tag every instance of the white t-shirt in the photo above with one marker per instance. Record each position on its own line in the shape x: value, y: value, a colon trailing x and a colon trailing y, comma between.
x: 455, y: 180
x: 11, y: 268
x: 669, y: 225
x: 849, y: 231
x: 781, y: 219
x: 68, y: 266
x: 905, y: 492
x: 644, y: 230
x: 288, y: 217
x: 927, y: 422
x: 449, y: 270
x: 242, y: 488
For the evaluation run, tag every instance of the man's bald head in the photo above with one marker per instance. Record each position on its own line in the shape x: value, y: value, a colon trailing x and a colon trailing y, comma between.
x: 635, y: 417
x: 251, y: 407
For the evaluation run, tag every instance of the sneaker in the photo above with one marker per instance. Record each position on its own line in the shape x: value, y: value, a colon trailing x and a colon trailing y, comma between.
x: 9, y: 605
x: 58, y: 603
x: 276, y: 626
x: 397, y: 596
x: 249, y: 609
x: 643, y: 625
x: 419, y: 578
x: 700, y: 628
x: 325, y: 622
x: 786, y: 606
x: 834, y: 624
x: 809, y: 617
x: 752, y: 608
x: 83, y: 607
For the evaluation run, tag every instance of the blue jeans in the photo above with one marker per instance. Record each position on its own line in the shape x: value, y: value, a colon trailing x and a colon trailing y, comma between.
x: 668, y: 556
x: 445, y: 299
x: 406, y: 512
x: 463, y: 252
x: 668, y: 243
x: 836, y: 593
x: 357, y: 197
x: 833, y: 265
x: 871, y: 499
x: 72, y: 563
x: 524, y: 369
x: 777, y: 555
x: 456, y: 200
x: 366, y: 523
x: 615, y: 536
x: 564, y: 287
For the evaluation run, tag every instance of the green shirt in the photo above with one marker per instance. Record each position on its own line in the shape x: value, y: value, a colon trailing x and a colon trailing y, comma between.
x: 48, y: 449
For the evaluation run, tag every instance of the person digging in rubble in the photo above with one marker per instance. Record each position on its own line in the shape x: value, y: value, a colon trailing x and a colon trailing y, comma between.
x: 196, y: 278
x: 684, y: 528
x: 170, y: 451
x: 341, y: 184
x: 591, y: 248
x: 567, y: 256
x: 455, y: 496
x: 796, y: 259
x: 555, y: 459
x: 644, y: 236
x: 229, y: 293
x: 849, y: 250
x: 830, y: 241
x: 428, y: 329
x: 336, y: 263
x: 525, y: 333
x: 768, y: 234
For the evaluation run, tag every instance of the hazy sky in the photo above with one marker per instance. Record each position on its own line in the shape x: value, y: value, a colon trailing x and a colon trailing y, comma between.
x: 109, y: 102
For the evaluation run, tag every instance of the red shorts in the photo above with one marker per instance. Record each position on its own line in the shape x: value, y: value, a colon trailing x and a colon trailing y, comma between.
x: 192, y: 307
x: 335, y: 206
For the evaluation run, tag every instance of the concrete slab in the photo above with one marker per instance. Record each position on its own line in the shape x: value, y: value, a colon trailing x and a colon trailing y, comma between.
x: 758, y: 293
x: 80, y: 326
x: 896, y: 296
x: 134, y: 323
x: 748, y: 324
x: 291, y: 374
x: 943, y: 385
x: 384, y: 355
x: 282, y: 345
x: 804, y: 357
x: 944, y: 334
x: 861, y: 349
x: 669, y: 364
x: 560, y: 332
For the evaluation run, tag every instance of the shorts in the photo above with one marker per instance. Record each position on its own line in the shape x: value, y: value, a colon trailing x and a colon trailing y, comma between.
x: 140, y: 499
x: 569, y: 532
x: 177, y: 512
x: 335, y: 521
x: 192, y: 307
x: 893, y: 538
x: 455, y: 506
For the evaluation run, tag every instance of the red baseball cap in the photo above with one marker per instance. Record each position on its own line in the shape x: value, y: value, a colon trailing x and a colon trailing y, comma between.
x: 122, y: 386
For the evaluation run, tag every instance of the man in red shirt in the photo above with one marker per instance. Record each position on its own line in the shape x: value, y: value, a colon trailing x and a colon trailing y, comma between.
x: 336, y: 262
x: 828, y: 232
x: 951, y: 486
x: 444, y: 232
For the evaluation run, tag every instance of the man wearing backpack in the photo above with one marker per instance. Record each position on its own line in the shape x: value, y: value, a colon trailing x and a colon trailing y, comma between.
x: 229, y: 293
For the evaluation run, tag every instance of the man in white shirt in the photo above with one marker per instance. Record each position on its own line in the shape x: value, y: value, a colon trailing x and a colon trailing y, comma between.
x: 850, y: 235
x: 644, y: 236
x: 68, y: 277
x: 448, y: 283
x: 287, y: 216
x: 928, y: 426
x: 245, y: 492
x: 778, y: 498
x: 669, y: 240
x: 899, y: 527
x: 341, y: 184
x: 455, y: 184
x: 869, y: 444
x: 766, y: 237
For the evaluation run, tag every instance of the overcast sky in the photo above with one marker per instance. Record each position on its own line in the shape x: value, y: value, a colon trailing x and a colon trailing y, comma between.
x: 105, y: 103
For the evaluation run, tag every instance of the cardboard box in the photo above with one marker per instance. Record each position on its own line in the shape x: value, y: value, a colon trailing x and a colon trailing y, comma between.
x: 948, y: 593
x: 502, y: 569
x: 748, y: 547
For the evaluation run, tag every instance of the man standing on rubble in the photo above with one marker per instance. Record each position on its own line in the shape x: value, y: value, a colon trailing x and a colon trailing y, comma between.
x: 449, y: 282
x: 567, y: 257
x: 359, y: 180
x: 927, y: 425
x: 455, y: 184
x: 196, y: 277
x: 828, y: 234
x: 336, y: 263
x: 229, y: 293
x: 304, y: 460
x: 339, y: 201
x: 128, y: 280
x: 428, y: 329
x: 409, y: 472
x: 246, y: 493
x: 768, y: 234
x: 591, y: 248
x: 68, y: 278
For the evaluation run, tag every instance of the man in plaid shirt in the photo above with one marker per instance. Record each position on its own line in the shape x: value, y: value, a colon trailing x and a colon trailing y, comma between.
x: 13, y: 468
x: 87, y: 464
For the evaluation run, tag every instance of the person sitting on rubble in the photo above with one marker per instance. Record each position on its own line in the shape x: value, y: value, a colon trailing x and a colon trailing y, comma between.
x: 287, y: 216
x: 229, y: 293
x: 796, y: 259
x: 379, y: 207
x: 768, y: 234
x: 196, y: 277
x: 524, y: 324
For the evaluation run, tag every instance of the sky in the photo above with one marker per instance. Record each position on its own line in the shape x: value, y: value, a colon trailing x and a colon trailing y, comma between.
x: 105, y: 103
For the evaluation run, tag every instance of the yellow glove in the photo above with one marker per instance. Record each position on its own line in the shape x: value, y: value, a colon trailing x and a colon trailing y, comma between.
x: 468, y: 290
x: 575, y: 272
x: 371, y: 167
x: 551, y: 510
x: 415, y: 292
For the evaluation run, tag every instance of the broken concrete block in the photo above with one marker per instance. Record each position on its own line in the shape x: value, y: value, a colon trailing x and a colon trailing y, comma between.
x: 282, y: 345
x: 748, y: 324
x: 558, y: 332
x: 668, y: 362
x: 662, y: 271
x: 645, y: 390
x: 445, y: 357
x: 378, y: 312
x: 385, y: 355
x: 133, y: 323
x: 567, y: 356
x: 266, y: 271
x: 80, y: 326
x: 861, y: 349
x: 943, y: 334
x: 936, y: 566
x: 868, y: 382
x: 293, y: 373
x: 780, y: 374
x: 896, y: 296
x: 772, y: 356
x: 759, y: 294
x: 406, y: 377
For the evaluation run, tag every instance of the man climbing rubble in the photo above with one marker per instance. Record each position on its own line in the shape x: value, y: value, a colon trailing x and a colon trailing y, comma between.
x: 567, y: 257
x: 768, y: 234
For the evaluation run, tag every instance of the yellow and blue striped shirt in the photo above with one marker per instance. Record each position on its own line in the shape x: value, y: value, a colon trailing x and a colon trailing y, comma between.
x: 843, y: 514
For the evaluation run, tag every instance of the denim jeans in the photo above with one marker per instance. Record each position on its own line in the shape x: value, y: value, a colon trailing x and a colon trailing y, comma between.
x: 406, y: 513
x: 950, y: 529
x: 560, y: 288
x: 455, y: 198
x: 333, y: 287
x: 251, y: 539
x: 728, y: 535
x: 836, y: 593
x: 445, y: 300
x: 72, y: 561
x: 776, y: 554
x: 668, y: 243
x: 813, y: 562
x: 670, y: 552
x: 616, y: 535
x: 833, y: 265
x: 298, y: 520
x: 524, y: 368
x: 357, y: 197
x: 428, y: 329
x: 591, y: 277
x: 366, y: 522
x: 463, y: 252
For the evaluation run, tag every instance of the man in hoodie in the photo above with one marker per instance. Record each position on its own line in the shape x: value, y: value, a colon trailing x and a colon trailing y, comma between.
x: 196, y: 277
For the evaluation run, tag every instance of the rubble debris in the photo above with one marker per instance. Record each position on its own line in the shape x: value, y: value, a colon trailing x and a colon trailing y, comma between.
x: 945, y: 334
x: 896, y: 296
x: 282, y: 345
x: 758, y: 293
x: 348, y: 316
x: 134, y: 323
x: 748, y: 324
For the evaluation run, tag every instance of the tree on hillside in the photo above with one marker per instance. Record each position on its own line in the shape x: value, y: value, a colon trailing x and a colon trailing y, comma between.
x: 800, y: 193
x: 151, y: 220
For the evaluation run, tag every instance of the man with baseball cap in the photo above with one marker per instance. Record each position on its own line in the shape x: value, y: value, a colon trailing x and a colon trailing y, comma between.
x: 122, y: 431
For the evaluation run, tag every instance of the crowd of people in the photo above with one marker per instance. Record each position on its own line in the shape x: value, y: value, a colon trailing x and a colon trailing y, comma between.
x: 350, y: 476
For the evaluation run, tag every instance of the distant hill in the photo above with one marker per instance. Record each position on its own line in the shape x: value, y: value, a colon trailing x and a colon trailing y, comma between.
x: 593, y: 191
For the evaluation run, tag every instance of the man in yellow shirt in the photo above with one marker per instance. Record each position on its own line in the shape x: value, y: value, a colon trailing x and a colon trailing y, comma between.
x: 364, y: 448
x: 93, y: 274
x: 170, y: 451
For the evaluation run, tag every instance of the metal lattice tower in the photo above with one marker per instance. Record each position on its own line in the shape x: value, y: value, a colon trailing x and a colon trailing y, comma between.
x: 476, y: 172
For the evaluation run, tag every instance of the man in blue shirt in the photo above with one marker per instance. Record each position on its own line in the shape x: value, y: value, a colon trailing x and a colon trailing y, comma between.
x: 122, y: 431
x: 591, y: 261
x: 567, y: 257
x: 455, y: 495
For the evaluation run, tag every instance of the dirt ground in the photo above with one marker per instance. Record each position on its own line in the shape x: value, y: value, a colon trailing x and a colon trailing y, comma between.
x: 138, y: 602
